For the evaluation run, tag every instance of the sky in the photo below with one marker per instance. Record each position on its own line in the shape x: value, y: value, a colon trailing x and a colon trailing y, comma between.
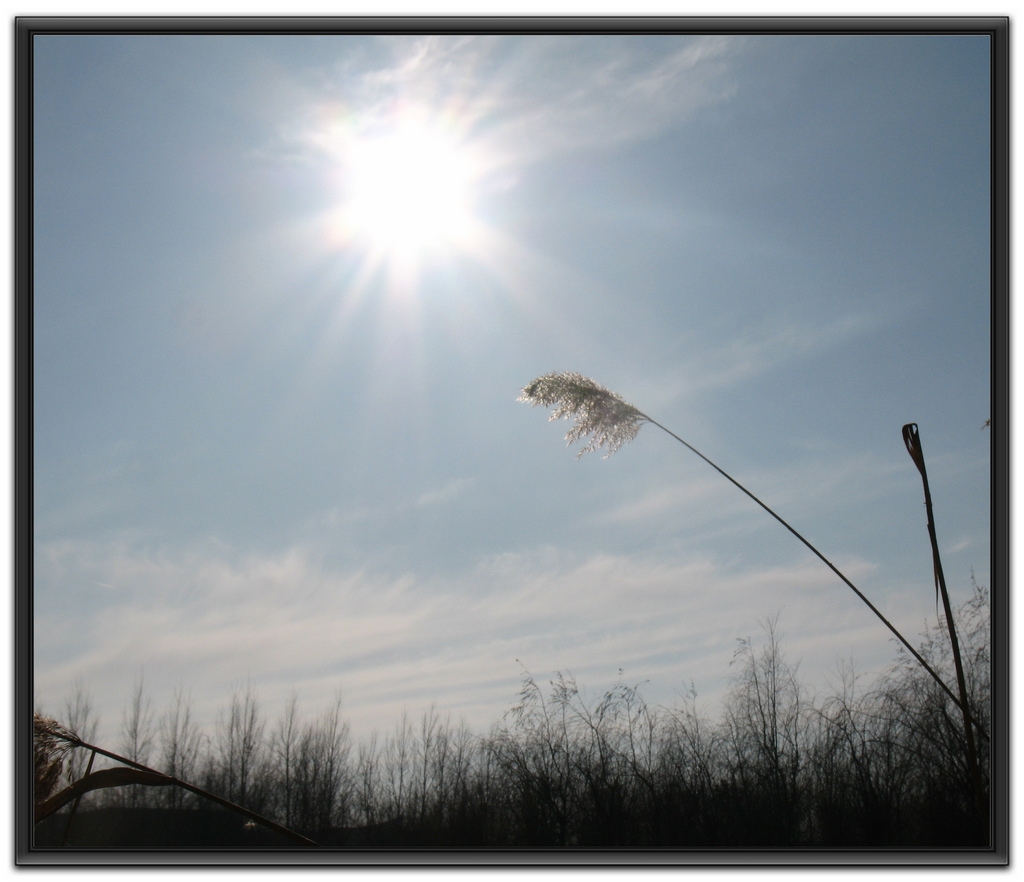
x: 276, y: 434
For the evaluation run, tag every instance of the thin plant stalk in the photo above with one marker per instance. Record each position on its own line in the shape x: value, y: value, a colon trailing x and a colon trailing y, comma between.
x: 612, y: 422
x: 912, y: 438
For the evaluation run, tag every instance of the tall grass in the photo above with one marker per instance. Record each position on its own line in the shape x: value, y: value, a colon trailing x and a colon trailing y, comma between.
x: 877, y: 764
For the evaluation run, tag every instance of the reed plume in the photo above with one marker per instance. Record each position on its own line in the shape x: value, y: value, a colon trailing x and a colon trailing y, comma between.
x: 52, y: 744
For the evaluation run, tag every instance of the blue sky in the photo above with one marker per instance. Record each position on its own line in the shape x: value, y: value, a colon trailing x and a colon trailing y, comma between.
x: 274, y: 444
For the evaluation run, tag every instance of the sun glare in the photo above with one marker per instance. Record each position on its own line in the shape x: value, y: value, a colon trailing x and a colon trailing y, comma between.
x: 410, y: 190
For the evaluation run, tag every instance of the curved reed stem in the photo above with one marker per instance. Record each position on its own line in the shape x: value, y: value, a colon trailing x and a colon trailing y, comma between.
x: 48, y: 731
x: 612, y: 422
x: 835, y: 570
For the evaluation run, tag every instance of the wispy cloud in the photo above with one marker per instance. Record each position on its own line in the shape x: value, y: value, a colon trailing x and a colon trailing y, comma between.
x: 755, y: 349
x: 525, y: 99
x: 348, y: 515
x: 209, y: 618
x: 448, y: 492
x: 570, y: 93
x: 814, y: 485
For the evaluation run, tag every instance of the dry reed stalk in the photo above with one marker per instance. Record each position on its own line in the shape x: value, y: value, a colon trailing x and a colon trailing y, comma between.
x: 612, y: 422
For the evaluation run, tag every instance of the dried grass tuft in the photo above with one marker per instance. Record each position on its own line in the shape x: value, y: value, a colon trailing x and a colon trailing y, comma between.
x: 52, y: 744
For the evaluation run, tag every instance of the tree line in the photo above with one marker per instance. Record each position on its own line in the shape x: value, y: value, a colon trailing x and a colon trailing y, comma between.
x: 865, y: 766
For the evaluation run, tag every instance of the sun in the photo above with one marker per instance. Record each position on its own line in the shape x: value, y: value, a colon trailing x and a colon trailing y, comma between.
x: 410, y: 190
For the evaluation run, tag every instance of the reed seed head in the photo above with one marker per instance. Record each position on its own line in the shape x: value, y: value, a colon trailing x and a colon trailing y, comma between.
x: 52, y: 744
x: 597, y: 411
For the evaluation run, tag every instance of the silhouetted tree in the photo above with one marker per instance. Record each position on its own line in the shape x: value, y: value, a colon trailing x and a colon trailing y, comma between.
x: 238, y: 766
x: 181, y: 745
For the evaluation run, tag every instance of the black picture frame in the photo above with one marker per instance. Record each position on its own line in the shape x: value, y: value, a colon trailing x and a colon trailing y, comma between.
x: 27, y: 854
